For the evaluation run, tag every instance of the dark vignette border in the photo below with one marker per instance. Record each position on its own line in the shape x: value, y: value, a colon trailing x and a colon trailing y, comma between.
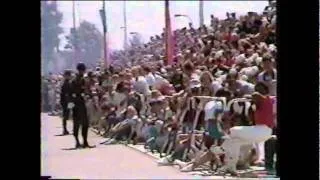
x: 21, y: 22
x: 298, y: 89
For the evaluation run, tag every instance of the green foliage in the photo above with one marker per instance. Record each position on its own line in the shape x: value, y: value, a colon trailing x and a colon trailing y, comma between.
x: 87, y: 41
x: 136, y: 41
x: 50, y: 31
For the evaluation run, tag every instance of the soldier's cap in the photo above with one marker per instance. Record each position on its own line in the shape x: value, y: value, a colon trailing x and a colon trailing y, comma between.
x: 81, y: 66
x: 67, y: 72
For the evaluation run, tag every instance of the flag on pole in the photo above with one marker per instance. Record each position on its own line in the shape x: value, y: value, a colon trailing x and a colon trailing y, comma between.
x: 168, y: 36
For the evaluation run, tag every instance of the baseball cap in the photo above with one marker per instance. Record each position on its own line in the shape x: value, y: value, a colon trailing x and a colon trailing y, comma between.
x: 195, y: 83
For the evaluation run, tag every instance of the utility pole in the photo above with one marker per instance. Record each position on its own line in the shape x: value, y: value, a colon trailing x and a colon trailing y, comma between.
x: 104, y: 23
x: 201, y: 19
x: 74, y: 32
x: 125, y: 44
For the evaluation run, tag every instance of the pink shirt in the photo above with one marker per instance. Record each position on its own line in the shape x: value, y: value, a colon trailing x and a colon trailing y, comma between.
x: 264, y: 113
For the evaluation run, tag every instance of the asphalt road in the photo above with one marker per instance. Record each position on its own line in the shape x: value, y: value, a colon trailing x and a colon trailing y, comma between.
x: 102, y: 162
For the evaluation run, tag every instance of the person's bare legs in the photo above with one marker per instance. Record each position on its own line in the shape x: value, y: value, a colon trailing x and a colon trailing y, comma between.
x: 199, y: 160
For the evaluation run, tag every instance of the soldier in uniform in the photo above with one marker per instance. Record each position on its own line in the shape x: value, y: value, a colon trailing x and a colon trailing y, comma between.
x: 65, y: 98
x: 80, y: 117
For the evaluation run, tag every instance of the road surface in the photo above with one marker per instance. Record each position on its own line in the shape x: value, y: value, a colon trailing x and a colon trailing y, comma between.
x: 102, y: 162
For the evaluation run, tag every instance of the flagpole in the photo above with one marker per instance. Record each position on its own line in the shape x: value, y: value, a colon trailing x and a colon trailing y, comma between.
x: 168, y: 35
x: 201, y: 19
x: 105, y: 47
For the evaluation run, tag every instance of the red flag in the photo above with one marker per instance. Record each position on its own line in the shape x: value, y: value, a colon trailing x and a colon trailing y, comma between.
x: 168, y: 36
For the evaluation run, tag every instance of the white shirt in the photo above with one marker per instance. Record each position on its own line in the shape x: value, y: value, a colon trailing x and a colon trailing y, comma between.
x: 271, y: 82
x: 141, y: 86
x: 246, y: 87
x: 150, y: 79
x: 216, y: 85
x: 210, y: 109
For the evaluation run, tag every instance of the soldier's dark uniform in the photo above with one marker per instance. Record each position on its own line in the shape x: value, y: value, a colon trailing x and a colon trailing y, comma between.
x: 65, y: 98
x: 80, y: 116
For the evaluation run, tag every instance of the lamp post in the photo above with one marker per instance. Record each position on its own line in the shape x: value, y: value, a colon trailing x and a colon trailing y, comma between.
x: 183, y: 15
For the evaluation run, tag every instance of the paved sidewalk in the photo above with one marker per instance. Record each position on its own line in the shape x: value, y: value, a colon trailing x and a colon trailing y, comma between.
x: 104, y: 161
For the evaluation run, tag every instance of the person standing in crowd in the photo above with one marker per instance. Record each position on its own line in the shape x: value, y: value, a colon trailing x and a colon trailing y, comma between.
x: 65, y: 98
x: 269, y: 74
x: 80, y: 116
x: 52, y: 95
x: 44, y: 93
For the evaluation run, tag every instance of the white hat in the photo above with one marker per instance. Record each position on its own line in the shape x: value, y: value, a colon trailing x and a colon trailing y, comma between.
x: 232, y: 71
x: 244, y: 77
x: 218, y: 73
x: 195, y: 83
x: 258, y: 60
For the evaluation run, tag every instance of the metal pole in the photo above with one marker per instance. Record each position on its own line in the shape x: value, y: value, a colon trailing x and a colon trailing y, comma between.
x: 201, y: 19
x: 125, y: 45
x: 105, y: 47
x: 74, y: 31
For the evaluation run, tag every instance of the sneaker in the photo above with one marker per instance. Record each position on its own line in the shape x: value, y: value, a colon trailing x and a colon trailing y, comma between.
x: 227, y: 170
x: 111, y: 141
x: 180, y: 163
x: 164, y: 161
x: 187, y: 168
x: 218, y: 150
x: 105, y: 140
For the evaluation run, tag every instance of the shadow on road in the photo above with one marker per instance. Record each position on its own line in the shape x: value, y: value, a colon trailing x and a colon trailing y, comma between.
x: 71, y: 149
x: 63, y: 135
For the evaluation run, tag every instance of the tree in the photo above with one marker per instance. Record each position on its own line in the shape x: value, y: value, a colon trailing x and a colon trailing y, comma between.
x: 86, y: 41
x: 136, y: 40
x: 50, y: 31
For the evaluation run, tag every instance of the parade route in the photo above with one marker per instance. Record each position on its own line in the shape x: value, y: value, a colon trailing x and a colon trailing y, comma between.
x: 102, y: 162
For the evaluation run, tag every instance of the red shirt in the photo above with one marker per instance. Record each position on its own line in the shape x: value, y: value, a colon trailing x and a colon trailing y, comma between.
x: 229, y: 62
x: 227, y: 36
x: 264, y: 112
